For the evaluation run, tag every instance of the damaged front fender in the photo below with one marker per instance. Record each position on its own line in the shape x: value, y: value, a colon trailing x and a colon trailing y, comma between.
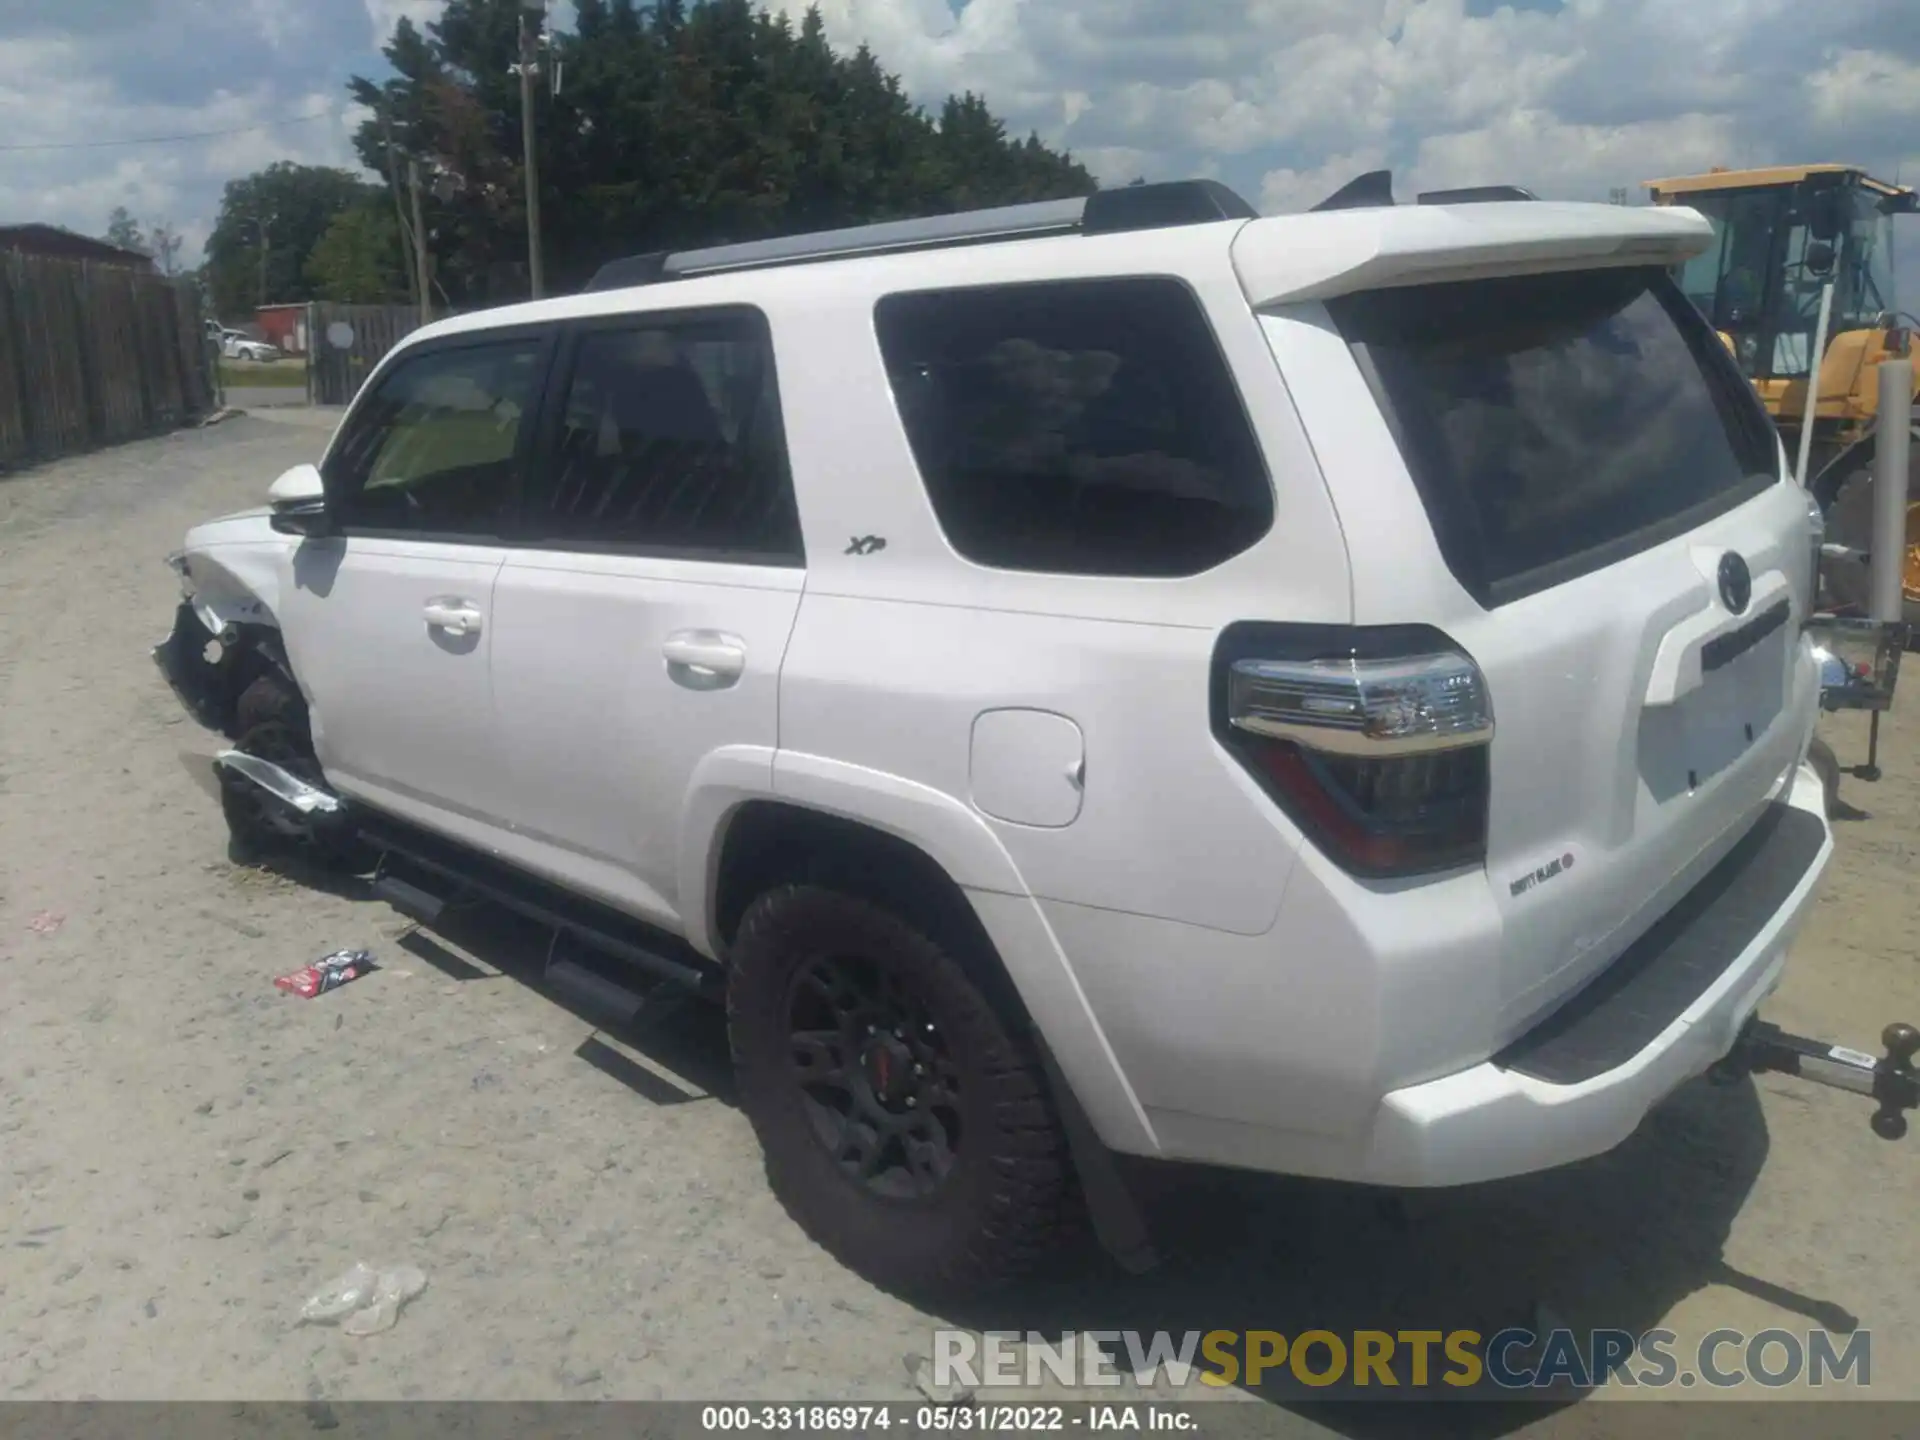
x: 198, y: 664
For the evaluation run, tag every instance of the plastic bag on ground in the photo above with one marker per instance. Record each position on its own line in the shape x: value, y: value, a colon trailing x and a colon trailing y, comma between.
x: 395, y: 1288
x: 364, y: 1301
x: 341, y: 1296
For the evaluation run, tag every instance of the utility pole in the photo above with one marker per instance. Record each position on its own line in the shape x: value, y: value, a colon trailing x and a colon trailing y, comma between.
x: 419, y: 243
x: 531, y: 15
x: 260, y: 224
x: 409, y: 240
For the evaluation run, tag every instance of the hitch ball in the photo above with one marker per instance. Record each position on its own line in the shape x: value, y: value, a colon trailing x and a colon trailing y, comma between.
x: 1902, y: 1043
x: 1897, y: 1088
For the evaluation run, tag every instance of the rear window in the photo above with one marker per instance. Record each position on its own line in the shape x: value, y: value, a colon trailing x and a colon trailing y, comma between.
x: 1556, y: 423
x: 1084, y: 427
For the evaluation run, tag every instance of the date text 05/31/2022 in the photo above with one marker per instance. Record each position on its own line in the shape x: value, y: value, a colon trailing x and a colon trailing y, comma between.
x: 937, y: 1419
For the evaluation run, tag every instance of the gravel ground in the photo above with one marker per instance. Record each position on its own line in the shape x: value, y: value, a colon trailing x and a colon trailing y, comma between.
x: 185, y: 1152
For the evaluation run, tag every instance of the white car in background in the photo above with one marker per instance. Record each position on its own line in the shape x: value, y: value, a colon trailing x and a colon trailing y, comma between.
x: 236, y: 346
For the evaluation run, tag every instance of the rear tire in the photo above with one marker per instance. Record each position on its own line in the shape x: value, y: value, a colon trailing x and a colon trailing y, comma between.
x: 906, y: 1127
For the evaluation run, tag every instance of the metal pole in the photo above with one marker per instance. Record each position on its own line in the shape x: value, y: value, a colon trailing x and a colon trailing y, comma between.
x: 1893, y: 450
x: 260, y: 223
x: 408, y: 240
x: 1813, y: 384
x: 529, y: 59
x: 419, y: 244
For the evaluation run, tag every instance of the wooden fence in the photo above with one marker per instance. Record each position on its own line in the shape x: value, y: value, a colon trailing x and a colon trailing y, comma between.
x: 95, y: 354
x: 345, y: 342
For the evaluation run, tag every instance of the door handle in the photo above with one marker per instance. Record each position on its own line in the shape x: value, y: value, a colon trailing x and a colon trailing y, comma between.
x: 455, y: 616
x: 704, y: 659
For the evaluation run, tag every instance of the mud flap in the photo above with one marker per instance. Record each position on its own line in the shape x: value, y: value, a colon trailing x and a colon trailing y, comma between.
x: 1117, y: 1222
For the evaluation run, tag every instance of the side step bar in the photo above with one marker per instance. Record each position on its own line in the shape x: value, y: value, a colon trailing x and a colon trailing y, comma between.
x: 587, y: 988
x: 593, y: 991
x: 409, y: 899
x: 1891, y: 1079
x: 439, y: 873
x: 421, y: 876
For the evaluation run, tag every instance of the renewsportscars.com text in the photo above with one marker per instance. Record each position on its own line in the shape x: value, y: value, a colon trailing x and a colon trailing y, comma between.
x: 1418, y: 1360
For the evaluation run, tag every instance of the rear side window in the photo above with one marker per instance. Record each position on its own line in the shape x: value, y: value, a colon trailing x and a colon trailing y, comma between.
x: 670, y: 441
x: 1555, y: 424
x: 1085, y: 427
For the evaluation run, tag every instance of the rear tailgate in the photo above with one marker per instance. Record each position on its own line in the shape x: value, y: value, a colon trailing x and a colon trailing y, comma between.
x: 1561, y: 470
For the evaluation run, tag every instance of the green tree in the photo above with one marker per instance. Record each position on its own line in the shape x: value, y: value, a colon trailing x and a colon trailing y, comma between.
x: 164, y: 244
x: 358, y: 260
x: 123, y: 230
x: 679, y: 124
x: 268, y: 225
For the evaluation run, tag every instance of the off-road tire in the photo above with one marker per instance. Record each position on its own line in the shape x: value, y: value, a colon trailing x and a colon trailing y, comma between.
x: 270, y: 720
x: 1001, y: 1208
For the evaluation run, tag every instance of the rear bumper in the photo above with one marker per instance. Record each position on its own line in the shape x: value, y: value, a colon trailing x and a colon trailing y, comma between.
x: 1265, y: 1056
x: 1582, y: 1081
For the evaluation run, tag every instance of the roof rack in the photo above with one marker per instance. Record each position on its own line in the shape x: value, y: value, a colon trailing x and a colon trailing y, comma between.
x: 1375, y: 190
x: 1363, y: 192
x: 1105, y: 212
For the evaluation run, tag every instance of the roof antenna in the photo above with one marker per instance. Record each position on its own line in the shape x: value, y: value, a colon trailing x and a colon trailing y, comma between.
x: 1373, y: 188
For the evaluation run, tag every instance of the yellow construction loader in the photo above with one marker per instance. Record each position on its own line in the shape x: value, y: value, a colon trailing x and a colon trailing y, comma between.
x: 1799, y: 283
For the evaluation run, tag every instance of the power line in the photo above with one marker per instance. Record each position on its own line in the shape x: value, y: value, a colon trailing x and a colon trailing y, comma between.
x: 173, y: 139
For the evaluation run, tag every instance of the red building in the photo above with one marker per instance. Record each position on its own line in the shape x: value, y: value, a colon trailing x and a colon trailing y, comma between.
x: 284, y: 326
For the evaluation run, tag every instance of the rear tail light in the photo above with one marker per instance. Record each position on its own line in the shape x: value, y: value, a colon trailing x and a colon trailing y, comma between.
x: 1374, y: 741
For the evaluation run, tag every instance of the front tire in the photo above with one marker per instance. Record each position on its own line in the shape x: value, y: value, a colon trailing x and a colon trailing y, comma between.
x: 270, y: 720
x: 906, y: 1127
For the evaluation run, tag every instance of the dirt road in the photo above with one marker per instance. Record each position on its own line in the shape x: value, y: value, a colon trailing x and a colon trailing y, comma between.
x: 185, y: 1152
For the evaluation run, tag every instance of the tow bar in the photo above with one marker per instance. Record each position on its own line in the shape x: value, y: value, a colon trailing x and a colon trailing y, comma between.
x: 1891, y: 1080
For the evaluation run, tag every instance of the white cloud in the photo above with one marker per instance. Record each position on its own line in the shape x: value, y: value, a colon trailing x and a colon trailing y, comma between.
x: 1283, y: 99
x: 383, y: 15
x: 1859, y: 88
x: 1283, y: 95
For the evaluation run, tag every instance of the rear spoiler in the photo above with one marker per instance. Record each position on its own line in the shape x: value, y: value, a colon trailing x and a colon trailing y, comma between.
x: 1335, y: 252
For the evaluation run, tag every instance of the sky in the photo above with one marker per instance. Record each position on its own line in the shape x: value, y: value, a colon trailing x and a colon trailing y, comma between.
x: 1284, y: 100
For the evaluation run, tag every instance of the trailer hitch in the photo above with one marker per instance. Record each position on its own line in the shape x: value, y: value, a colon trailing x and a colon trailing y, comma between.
x: 1892, y: 1079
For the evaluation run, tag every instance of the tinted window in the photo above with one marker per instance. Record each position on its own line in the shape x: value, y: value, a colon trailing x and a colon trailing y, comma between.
x: 1087, y: 428
x: 670, y: 439
x: 435, y: 448
x: 1555, y: 423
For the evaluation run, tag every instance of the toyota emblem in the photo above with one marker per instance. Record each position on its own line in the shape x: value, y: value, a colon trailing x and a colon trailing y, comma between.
x: 1736, y: 582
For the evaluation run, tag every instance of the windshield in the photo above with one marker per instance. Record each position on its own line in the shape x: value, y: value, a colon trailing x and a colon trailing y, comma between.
x: 1728, y: 281
x: 1773, y: 253
x: 1870, y: 258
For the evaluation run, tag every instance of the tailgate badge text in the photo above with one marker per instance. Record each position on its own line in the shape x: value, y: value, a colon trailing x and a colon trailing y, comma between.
x: 1545, y: 873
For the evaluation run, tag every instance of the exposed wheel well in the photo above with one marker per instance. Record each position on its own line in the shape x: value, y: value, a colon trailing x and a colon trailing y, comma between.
x: 769, y: 844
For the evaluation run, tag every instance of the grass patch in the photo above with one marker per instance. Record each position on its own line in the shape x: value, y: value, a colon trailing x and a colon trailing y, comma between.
x: 246, y: 373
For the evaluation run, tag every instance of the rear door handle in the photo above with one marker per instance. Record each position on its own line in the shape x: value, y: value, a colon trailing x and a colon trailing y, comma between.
x: 704, y: 659
x: 453, y: 615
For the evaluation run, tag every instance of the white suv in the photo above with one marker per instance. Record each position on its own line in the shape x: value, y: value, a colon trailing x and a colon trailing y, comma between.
x: 1322, y: 694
